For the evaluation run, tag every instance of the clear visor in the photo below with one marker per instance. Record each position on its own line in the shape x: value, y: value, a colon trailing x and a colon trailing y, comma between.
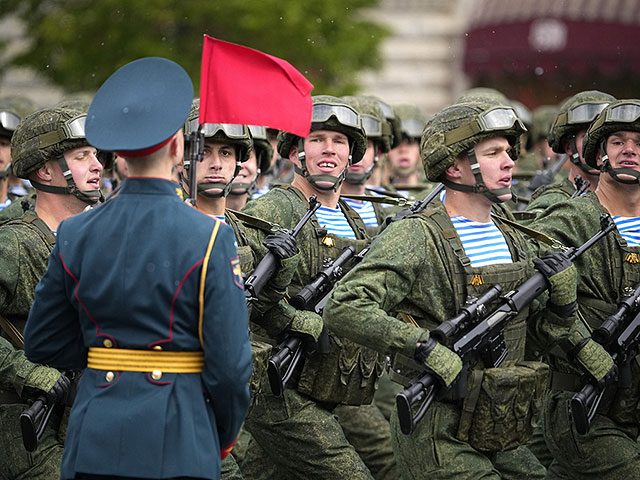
x: 627, y: 112
x: 501, y: 118
x: 258, y: 132
x: 387, y: 111
x: 344, y: 114
x: 412, y: 127
x: 585, y: 113
x: 372, y: 126
x: 9, y: 121
x: 230, y: 130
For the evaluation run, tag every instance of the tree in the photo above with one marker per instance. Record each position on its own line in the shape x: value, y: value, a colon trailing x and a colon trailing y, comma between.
x: 77, y: 44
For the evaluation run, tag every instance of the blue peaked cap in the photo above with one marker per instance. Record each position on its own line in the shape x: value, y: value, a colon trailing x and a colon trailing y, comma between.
x: 140, y: 105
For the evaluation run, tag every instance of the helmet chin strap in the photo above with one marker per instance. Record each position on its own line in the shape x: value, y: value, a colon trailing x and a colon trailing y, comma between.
x: 5, y: 173
x: 90, y: 197
x: 225, y: 188
x: 614, y: 172
x: 334, y: 182
x: 575, y: 158
x: 242, y: 188
x: 480, y: 187
x: 361, y: 178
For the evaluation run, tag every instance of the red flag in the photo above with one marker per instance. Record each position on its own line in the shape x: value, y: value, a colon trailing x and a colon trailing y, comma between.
x: 242, y: 85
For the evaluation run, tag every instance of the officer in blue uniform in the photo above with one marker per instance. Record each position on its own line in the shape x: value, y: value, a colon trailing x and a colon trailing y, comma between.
x: 145, y: 293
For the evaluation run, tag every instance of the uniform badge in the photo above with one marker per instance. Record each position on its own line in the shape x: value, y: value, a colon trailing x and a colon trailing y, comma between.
x: 237, y: 272
x: 632, y: 258
x: 477, y: 280
x: 328, y: 241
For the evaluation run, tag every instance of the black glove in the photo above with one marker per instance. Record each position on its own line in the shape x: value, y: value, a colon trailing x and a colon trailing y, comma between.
x: 282, y: 245
x: 58, y: 393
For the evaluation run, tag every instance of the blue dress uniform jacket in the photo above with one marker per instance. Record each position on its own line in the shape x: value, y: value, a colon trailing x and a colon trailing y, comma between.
x: 127, y: 275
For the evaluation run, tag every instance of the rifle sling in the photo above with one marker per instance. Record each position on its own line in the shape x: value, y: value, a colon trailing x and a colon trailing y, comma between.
x: 552, y: 242
x: 378, y: 199
x: 258, y: 223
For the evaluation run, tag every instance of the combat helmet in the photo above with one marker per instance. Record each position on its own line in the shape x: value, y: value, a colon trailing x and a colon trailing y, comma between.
x: 576, y: 114
x: 482, y: 95
x: 264, y: 152
x: 456, y: 129
x: 377, y: 129
x: 412, y: 121
x: 231, y: 133
x: 328, y: 113
x: 9, y: 120
x: 392, y: 120
x: 619, y: 115
x: 45, y: 135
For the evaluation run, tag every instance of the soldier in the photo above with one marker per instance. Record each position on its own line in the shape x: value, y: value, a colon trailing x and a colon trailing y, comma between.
x: 423, y: 268
x: 259, y: 161
x: 168, y: 362
x: 299, y: 430
x: 404, y: 160
x: 610, y: 449
x: 40, y: 144
x: 8, y: 123
x: 565, y: 137
x: 379, y: 140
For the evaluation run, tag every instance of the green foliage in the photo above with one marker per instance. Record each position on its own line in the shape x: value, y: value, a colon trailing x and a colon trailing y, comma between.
x: 78, y: 43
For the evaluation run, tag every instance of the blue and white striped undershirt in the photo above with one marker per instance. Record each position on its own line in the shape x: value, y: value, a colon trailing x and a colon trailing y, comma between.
x: 335, y: 222
x: 5, y: 204
x: 629, y: 228
x: 483, y: 243
x: 365, y: 210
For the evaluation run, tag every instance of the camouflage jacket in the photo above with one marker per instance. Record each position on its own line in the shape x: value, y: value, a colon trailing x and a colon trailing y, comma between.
x: 604, y: 272
x: 347, y: 373
x: 548, y: 195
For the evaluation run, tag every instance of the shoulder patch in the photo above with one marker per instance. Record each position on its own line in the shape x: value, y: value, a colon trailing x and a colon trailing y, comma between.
x: 236, y: 272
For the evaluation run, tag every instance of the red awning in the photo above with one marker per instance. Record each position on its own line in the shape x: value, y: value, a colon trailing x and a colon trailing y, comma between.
x: 540, y: 37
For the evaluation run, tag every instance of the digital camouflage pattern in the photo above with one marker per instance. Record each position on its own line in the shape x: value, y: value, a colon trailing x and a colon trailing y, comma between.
x: 24, y: 254
x: 561, y: 128
x: 413, y: 270
x: 542, y: 118
x: 370, y: 107
x: 610, y: 449
x: 299, y: 430
x: 482, y: 95
x: 26, y: 153
x: 548, y: 195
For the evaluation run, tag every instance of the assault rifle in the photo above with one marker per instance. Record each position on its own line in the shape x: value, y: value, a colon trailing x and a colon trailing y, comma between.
x: 581, y: 184
x: 313, y: 297
x: 620, y: 335
x: 34, y: 420
x: 546, y: 176
x: 480, y: 335
x: 196, y: 153
x: 267, y: 267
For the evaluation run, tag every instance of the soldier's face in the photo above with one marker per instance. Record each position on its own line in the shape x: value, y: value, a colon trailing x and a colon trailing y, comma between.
x: 326, y: 151
x: 623, y: 149
x: 218, y: 163
x: 367, y: 160
x: 249, y: 170
x: 5, y: 152
x: 495, y: 165
x: 405, y: 158
x: 85, y: 167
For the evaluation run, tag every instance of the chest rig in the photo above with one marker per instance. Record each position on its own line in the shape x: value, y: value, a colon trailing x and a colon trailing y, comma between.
x: 471, y: 282
x: 347, y: 373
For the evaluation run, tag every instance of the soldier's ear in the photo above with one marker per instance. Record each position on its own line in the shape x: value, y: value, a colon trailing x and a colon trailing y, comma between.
x: 45, y: 172
x: 454, y: 170
x: 293, y: 155
x: 176, y: 147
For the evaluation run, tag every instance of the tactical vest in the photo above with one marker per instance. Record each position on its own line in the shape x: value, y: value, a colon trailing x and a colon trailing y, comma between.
x: 348, y: 373
x: 471, y: 281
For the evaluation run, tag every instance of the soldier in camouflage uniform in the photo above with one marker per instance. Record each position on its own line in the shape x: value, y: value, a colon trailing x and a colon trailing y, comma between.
x: 419, y: 274
x: 299, y: 431
x: 610, y: 449
x: 565, y: 137
x: 9, y: 120
x: 40, y: 144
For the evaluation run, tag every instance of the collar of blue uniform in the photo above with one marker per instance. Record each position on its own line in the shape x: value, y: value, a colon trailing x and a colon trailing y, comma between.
x: 154, y: 186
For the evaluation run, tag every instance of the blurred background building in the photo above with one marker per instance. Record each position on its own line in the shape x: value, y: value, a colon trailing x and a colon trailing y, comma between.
x: 537, y: 52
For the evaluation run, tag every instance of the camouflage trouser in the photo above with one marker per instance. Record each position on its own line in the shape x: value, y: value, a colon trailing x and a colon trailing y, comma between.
x: 606, y: 452
x: 15, y: 462
x: 229, y: 469
x: 305, y: 439
x: 432, y: 451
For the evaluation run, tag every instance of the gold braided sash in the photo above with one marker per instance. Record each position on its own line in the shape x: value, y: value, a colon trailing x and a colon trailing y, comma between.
x: 126, y: 360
